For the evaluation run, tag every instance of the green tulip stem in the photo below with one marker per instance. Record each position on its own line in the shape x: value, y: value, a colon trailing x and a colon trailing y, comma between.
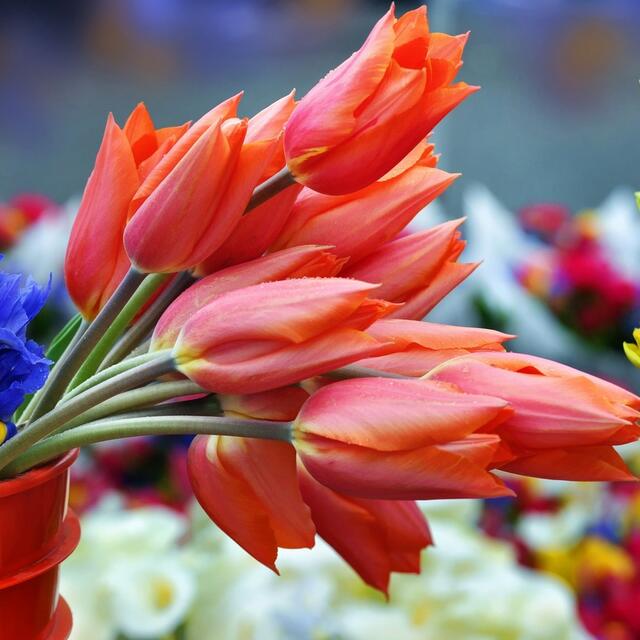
x: 137, y: 399
x: 141, y: 296
x: 57, y: 417
x: 275, y: 184
x: 105, y: 374
x: 25, y: 415
x: 72, y: 360
x: 114, y: 429
x: 137, y: 333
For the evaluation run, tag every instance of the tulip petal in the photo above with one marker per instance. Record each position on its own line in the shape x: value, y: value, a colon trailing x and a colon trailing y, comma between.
x: 215, y: 116
x: 423, y: 301
x: 361, y: 222
x: 96, y: 261
x: 425, y: 345
x: 409, y: 264
x: 384, y: 144
x: 430, y: 335
x: 375, y: 537
x: 412, y: 38
x: 325, y: 116
x: 535, y: 364
x: 249, y: 489
x: 250, y: 370
x: 289, y: 263
x: 597, y: 464
x: 187, y: 200
x: 550, y: 412
x: 289, y: 310
x: 254, y: 233
x: 427, y: 473
x: 141, y: 133
x: 391, y: 415
x: 280, y: 404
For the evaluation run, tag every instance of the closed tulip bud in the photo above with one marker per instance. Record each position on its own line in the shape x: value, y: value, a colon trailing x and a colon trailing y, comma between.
x: 565, y: 422
x: 359, y: 223
x: 96, y: 260
x: 256, y: 231
x: 297, y: 262
x: 194, y: 209
x: 424, y: 345
x: 365, y: 116
x: 277, y: 333
x: 401, y: 440
x: 249, y: 487
x: 417, y: 270
x: 376, y: 537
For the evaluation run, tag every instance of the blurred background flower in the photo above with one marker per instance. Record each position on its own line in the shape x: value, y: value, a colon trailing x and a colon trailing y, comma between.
x: 151, y: 573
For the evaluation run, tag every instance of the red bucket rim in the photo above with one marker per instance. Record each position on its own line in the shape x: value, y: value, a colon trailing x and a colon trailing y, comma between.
x: 66, y: 541
x: 60, y: 626
x: 38, y: 475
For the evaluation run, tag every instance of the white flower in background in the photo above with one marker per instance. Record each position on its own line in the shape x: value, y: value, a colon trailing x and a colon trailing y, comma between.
x: 136, y: 575
x: 150, y: 596
x: 618, y: 222
x: 553, y: 530
x: 43, y: 245
x: 95, y: 582
x: 145, y: 530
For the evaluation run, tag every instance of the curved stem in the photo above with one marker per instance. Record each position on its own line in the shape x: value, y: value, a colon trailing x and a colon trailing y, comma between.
x: 69, y: 364
x: 141, y: 349
x: 105, y: 374
x: 25, y: 415
x: 142, y: 294
x: 275, y: 184
x: 53, y: 420
x: 207, y: 406
x: 144, y: 325
x: 153, y: 426
x: 135, y: 399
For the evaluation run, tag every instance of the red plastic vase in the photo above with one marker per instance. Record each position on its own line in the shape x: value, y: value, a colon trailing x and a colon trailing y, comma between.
x: 37, y: 532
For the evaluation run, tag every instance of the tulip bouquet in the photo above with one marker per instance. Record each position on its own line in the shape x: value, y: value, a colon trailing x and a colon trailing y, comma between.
x: 251, y: 281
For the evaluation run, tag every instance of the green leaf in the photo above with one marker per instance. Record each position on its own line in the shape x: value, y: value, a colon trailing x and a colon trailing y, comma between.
x: 62, y: 340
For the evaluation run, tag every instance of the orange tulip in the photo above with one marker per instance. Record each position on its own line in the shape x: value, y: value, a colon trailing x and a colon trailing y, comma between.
x: 375, y: 537
x: 401, y: 440
x: 96, y: 260
x: 365, y: 116
x: 359, y: 223
x: 297, y: 262
x: 565, y: 422
x: 255, y: 232
x: 276, y: 333
x: 417, y: 269
x: 200, y: 193
x: 129, y: 164
x: 424, y: 345
x: 249, y: 487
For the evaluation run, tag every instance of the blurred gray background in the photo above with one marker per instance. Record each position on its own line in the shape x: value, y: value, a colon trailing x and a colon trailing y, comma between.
x: 558, y: 117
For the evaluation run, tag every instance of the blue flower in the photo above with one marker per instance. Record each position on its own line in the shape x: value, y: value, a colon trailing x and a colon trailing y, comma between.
x: 23, y: 367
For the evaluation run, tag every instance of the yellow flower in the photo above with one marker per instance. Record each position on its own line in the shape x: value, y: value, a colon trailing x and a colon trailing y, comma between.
x: 632, y: 351
x: 597, y: 558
